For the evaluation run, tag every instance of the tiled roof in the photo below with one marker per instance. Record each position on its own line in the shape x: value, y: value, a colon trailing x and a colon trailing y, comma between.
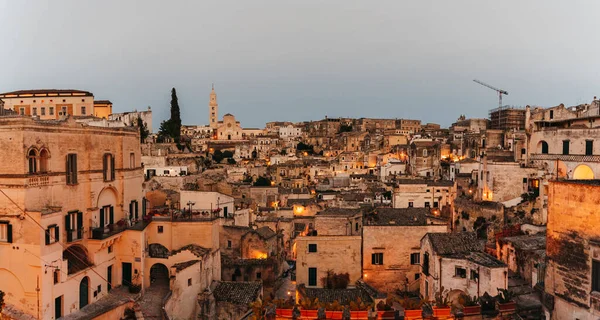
x: 266, y: 232
x: 453, y: 243
x: 102, y: 102
x: 231, y: 262
x: 343, y: 296
x: 339, y: 212
x: 397, y: 217
x: 182, y: 265
x: 480, y: 258
x: 527, y: 242
x: 197, y: 250
x: 240, y: 293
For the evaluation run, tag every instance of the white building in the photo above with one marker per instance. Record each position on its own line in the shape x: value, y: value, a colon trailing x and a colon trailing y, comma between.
x: 207, y: 201
x: 392, y: 167
x: 150, y: 172
x: 290, y: 131
x: 129, y: 118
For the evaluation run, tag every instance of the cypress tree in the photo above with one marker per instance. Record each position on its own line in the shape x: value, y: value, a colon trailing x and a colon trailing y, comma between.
x: 175, y: 116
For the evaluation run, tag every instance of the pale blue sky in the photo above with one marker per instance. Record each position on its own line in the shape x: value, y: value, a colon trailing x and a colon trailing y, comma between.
x: 302, y: 60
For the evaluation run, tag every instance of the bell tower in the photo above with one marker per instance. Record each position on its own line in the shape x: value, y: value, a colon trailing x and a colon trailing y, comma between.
x: 213, y: 108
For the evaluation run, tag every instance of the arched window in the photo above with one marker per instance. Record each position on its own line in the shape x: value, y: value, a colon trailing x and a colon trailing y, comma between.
x: 32, y: 159
x: 424, y: 152
x: 544, y: 147
x: 44, y: 160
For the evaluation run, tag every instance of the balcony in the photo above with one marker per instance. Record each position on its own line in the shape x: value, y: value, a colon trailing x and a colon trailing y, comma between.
x: 116, y: 228
x: 565, y: 157
x: 38, y: 181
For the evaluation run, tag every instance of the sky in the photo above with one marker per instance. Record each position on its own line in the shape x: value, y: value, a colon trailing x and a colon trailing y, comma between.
x: 279, y: 60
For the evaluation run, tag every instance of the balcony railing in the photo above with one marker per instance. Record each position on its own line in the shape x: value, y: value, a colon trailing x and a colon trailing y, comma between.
x: 116, y: 228
x: 38, y: 181
x: 565, y: 157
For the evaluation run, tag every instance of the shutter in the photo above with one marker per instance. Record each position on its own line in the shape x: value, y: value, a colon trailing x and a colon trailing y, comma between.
x: 112, y: 167
x: 131, y: 210
x: 67, y: 170
x: 102, y: 217
x: 111, y: 215
x: 68, y: 228
x: 381, y: 259
x: 47, y: 234
x: 9, y: 236
x: 373, y: 258
x: 74, y: 169
x: 144, y: 207
x: 56, y: 234
x: 135, y: 204
x: 104, y: 167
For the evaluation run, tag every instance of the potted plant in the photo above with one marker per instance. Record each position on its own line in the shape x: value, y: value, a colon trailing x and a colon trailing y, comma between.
x: 441, y: 304
x: 504, y: 301
x: 412, y: 307
x: 470, y: 305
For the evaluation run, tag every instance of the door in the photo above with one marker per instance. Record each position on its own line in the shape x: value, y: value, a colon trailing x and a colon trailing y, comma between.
x: 58, y: 307
x: 84, y: 292
x: 312, y: 276
x: 109, y: 277
x: 225, y: 212
x: 126, y: 281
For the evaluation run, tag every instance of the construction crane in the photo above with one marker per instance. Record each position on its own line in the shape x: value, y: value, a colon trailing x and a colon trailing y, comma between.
x: 500, y: 91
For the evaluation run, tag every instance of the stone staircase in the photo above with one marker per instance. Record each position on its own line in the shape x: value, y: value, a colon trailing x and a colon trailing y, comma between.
x: 529, y: 305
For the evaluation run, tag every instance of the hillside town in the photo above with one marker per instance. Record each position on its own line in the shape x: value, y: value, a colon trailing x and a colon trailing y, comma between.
x: 106, y: 217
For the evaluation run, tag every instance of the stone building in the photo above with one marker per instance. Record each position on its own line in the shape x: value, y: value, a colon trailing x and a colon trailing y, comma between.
x: 213, y: 109
x: 572, y: 282
x: 80, y: 185
x: 103, y: 109
x: 409, y: 126
x: 233, y: 298
x: 391, y: 242
x: 421, y: 193
x: 228, y: 129
x: 456, y: 262
x: 131, y: 118
x: 424, y: 159
x: 49, y: 103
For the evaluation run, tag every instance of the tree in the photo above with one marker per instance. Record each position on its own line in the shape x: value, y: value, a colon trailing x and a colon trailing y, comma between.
x: 345, y: 128
x: 175, y: 116
x: 231, y: 161
x: 227, y: 154
x: 262, y: 182
x: 144, y: 133
x: 218, y: 156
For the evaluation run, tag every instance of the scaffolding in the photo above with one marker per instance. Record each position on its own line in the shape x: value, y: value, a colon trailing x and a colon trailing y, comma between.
x: 507, y: 118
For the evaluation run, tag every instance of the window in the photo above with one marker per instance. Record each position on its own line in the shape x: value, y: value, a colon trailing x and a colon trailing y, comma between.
x: 415, y: 258
x: 56, y: 276
x: 595, y: 275
x: 551, y: 114
x: 424, y: 152
x: 312, y: 247
x: 523, y: 151
x: 410, y: 204
x: 22, y: 111
x: 110, y: 249
x: 51, y: 111
x: 525, y: 180
x: 427, y: 204
x: 64, y: 111
x: 166, y: 172
x: 417, y: 276
x: 99, y: 288
x: 189, y: 282
x: 435, y: 204
x: 51, y: 234
x: 312, y: 276
x: 474, y: 275
x: 83, y: 110
x: 377, y: 258
x: 71, y: 168
x: 5, y: 232
x: 160, y: 229
x: 229, y: 244
x: 44, y: 160
x: 565, y: 147
x: 460, y: 272
x: 32, y: 160
x: 107, y: 216
x: 133, y: 210
x: 108, y: 167
x: 356, y: 226
x: 132, y: 160
x: 589, y: 147
x: 74, y: 225
x: 258, y: 275
x: 43, y: 111
x: 34, y: 111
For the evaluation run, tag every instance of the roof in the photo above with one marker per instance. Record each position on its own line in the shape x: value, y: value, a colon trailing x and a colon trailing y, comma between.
x: 197, y: 250
x: 266, y: 232
x: 397, y: 217
x: 527, y: 242
x: 425, y: 143
x: 47, y: 92
x: 468, y: 160
x: 240, y: 293
x: 480, y: 258
x: 454, y: 243
x: 433, y: 183
x: 343, y: 296
x: 339, y: 212
x: 182, y: 265
x: 102, y: 102
x: 227, y: 261
x: 588, y: 182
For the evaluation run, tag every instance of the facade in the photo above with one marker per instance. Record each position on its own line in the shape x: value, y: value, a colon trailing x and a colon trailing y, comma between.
x: 102, y: 108
x: 391, y: 241
x: 507, y: 118
x: 409, y: 126
x: 572, y: 282
x: 316, y: 255
x: 72, y: 188
x: 456, y: 262
x: 205, y: 201
x: 424, y: 159
x: 421, y: 193
x: 49, y: 104
x: 228, y: 129
x: 131, y: 118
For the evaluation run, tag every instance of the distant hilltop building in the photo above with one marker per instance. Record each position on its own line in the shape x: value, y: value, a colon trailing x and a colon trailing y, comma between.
x: 213, y: 109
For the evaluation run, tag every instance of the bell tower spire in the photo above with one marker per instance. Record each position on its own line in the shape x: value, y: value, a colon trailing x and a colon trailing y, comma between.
x: 213, y: 108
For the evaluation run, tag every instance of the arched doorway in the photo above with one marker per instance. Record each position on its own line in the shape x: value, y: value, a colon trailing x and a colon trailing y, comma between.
x: 84, y: 291
x: 542, y: 147
x: 228, y: 137
x: 159, y: 275
x: 583, y: 172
